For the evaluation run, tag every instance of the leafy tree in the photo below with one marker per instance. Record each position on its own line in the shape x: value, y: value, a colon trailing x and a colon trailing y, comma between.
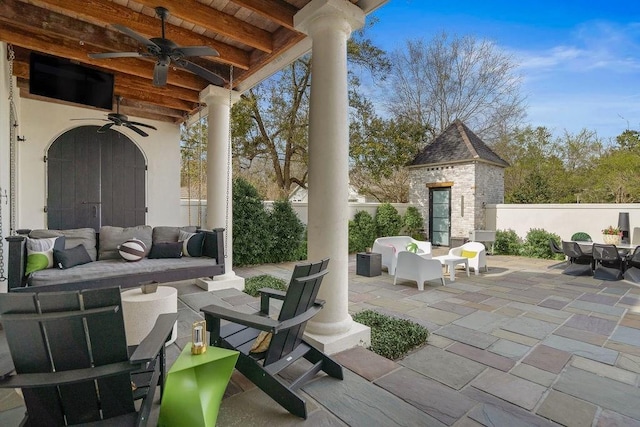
x: 412, y: 222
x: 629, y: 140
x: 194, y: 159
x: 452, y: 78
x: 270, y: 123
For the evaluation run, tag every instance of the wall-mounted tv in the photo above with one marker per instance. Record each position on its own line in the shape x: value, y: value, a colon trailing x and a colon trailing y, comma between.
x: 59, y: 78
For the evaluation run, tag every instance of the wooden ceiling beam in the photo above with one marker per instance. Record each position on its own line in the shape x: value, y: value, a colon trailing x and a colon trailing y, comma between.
x: 277, y: 11
x: 212, y: 19
x: 102, y: 12
x: 139, y: 106
x: 41, y: 42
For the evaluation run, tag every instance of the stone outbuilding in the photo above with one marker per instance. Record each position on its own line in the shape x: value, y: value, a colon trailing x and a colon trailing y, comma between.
x: 452, y: 180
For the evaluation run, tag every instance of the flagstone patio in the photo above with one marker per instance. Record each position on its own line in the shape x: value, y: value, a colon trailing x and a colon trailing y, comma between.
x: 521, y: 344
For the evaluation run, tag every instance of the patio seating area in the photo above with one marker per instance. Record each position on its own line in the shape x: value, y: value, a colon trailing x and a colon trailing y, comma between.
x: 519, y: 344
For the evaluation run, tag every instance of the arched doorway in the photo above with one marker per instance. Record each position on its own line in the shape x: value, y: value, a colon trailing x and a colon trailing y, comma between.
x: 95, y: 179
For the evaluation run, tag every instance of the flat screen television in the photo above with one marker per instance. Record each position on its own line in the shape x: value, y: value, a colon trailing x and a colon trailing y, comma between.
x: 59, y: 78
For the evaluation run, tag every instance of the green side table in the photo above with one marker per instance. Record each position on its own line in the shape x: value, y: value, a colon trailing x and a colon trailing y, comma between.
x: 194, y: 387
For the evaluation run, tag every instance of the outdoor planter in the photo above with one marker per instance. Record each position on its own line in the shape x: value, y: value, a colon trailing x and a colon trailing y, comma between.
x: 611, y: 239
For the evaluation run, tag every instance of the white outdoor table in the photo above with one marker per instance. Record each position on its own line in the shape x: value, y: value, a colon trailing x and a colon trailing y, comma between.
x: 140, y: 311
x: 450, y: 261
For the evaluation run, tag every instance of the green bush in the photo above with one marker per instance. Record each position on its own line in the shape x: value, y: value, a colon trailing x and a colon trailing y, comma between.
x: 253, y: 284
x: 507, y: 243
x: 251, y: 234
x: 413, y: 222
x: 391, y: 337
x: 301, y: 252
x: 536, y: 244
x: 388, y: 220
x: 287, y: 233
x: 362, y: 232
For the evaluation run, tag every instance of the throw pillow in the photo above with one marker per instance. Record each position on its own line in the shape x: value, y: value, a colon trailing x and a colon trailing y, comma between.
x: 40, y: 253
x: 67, y: 258
x: 72, y: 238
x: 166, y: 250
x: 132, y: 250
x: 468, y: 254
x: 191, y: 243
x: 111, y: 237
x: 261, y: 343
x: 163, y: 233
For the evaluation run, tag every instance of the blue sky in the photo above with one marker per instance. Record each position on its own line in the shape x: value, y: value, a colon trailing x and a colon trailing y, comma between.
x: 579, y: 60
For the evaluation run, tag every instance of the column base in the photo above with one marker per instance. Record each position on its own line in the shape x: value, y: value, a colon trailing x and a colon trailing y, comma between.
x: 358, y: 334
x: 224, y: 281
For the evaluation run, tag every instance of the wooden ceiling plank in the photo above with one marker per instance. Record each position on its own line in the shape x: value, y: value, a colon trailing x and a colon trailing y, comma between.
x: 41, y: 42
x: 104, y: 13
x: 216, y: 21
x: 277, y: 11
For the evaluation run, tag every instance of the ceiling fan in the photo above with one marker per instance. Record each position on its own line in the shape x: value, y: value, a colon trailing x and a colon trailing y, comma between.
x: 117, y: 119
x: 165, y: 51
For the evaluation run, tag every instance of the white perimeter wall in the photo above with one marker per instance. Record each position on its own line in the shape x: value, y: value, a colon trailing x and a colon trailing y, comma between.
x: 562, y: 219
x: 42, y: 122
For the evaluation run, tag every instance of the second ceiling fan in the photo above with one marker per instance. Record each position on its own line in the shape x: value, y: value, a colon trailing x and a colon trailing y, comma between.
x: 166, y: 52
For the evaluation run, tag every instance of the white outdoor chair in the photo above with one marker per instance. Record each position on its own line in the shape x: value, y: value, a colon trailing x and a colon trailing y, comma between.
x: 414, y: 267
x: 391, y: 246
x: 479, y: 258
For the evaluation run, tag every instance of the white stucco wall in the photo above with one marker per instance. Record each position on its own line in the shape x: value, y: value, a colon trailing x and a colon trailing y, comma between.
x: 42, y: 122
x: 561, y: 219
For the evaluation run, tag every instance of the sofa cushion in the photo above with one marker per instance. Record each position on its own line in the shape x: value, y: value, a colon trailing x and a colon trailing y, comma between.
x: 166, y: 250
x: 67, y: 258
x: 73, y: 237
x: 170, y: 234
x: 112, y: 237
x: 191, y: 243
x: 40, y: 253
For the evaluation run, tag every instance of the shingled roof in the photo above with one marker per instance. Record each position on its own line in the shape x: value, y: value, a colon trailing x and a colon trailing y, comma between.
x: 457, y: 144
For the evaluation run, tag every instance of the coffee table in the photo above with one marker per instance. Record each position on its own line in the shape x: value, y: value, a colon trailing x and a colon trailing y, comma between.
x: 450, y: 261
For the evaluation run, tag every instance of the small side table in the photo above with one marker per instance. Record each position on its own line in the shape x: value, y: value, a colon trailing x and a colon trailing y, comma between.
x: 140, y: 311
x: 195, y: 386
x: 450, y: 261
x: 368, y: 264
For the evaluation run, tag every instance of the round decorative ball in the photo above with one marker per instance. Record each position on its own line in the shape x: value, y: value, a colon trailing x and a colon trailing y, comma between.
x: 132, y: 250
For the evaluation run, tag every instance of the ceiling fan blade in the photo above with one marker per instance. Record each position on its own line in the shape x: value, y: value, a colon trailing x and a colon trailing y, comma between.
x: 201, y: 71
x: 142, y: 124
x: 105, y: 127
x: 195, y: 51
x: 114, y: 55
x: 89, y: 118
x: 160, y: 72
x: 128, y: 31
x: 135, y: 129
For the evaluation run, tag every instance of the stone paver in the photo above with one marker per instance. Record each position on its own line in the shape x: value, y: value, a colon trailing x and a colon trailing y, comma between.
x: 530, y: 327
x: 579, y: 335
x: 447, y: 368
x: 600, y: 299
x: 467, y: 336
x: 489, y: 415
x: 605, y: 370
x: 437, y: 400
x: 365, y: 362
x: 591, y: 324
x: 627, y: 335
x: 629, y: 362
x: 598, y: 308
x: 518, y: 391
x: 547, y: 358
x: 567, y: 410
x: 534, y: 374
x: 439, y: 317
x: 613, y: 419
x: 453, y: 308
x: 631, y: 320
x: 485, y: 357
x: 482, y: 321
x: 509, y: 349
x: 511, y: 336
x: 553, y: 303
x: 580, y: 348
x: 538, y: 309
x: 601, y: 391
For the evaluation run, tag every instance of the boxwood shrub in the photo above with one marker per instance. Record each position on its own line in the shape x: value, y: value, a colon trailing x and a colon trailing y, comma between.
x: 252, y: 284
x: 392, y: 337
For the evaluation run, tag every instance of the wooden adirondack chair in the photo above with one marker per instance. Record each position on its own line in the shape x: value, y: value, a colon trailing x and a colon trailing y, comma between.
x: 286, y: 346
x: 72, y: 362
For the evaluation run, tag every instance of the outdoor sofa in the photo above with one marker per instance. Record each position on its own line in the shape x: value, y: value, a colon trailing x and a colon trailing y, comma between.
x: 107, y: 268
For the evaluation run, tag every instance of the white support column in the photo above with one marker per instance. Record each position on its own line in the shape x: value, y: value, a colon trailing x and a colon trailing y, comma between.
x: 219, y: 181
x: 329, y: 23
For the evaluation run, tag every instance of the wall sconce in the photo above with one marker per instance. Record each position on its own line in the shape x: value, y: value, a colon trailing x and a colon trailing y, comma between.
x: 198, y: 346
